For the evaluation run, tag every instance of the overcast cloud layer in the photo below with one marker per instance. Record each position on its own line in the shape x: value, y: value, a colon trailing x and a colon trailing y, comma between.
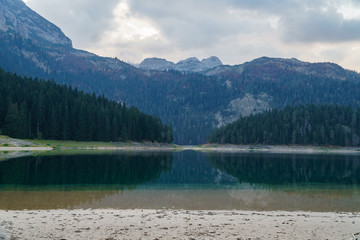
x: 234, y: 30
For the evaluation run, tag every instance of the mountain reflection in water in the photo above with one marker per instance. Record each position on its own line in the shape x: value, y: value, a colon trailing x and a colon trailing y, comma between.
x: 280, y: 169
x: 186, y: 180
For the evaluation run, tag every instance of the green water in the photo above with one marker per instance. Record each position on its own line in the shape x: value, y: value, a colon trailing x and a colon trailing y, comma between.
x: 182, y: 180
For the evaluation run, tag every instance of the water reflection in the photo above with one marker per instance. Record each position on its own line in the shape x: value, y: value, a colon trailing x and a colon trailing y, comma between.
x: 105, y: 170
x: 185, y: 180
x: 192, y: 169
x: 283, y: 169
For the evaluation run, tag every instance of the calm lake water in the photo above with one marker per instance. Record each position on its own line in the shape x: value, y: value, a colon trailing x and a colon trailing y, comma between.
x: 182, y: 180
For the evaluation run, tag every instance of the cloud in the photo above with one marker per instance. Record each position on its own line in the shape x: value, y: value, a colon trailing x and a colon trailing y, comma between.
x: 236, y: 31
x: 83, y: 21
x: 196, y: 24
x: 319, y: 26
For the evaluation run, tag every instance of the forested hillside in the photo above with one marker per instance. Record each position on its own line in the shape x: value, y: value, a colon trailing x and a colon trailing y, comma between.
x: 41, y: 109
x: 310, y: 124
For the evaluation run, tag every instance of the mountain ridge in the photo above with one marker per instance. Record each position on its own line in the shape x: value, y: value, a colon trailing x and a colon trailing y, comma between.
x: 328, y: 69
x: 191, y: 64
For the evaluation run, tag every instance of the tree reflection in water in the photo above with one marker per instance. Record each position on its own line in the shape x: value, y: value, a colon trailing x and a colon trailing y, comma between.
x: 128, y: 170
x: 279, y: 169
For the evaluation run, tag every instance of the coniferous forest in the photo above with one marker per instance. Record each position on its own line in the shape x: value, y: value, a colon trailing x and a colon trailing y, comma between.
x: 32, y: 108
x: 303, y: 125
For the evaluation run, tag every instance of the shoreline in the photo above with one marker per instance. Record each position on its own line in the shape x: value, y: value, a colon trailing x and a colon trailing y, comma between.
x: 8, y: 144
x: 282, y: 149
x: 203, y: 148
x: 176, y: 224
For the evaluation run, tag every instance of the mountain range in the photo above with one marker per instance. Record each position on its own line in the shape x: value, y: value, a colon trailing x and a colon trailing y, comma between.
x: 193, y: 96
x: 188, y: 65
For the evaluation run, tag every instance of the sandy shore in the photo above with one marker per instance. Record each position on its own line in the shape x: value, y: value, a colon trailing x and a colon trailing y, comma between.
x: 235, y: 149
x: 176, y: 224
x: 295, y: 149
x: 14, y: 149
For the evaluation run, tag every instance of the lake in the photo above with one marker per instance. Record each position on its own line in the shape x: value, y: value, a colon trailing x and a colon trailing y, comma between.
x: 182, y: 180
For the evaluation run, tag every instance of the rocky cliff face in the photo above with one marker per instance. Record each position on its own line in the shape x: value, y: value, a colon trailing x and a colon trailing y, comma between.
x: 244, y: 106
x: 188, y: 65
x: 15, y: 16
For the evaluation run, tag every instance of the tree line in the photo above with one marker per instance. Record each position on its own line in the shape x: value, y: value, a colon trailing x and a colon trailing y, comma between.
x: 33, y: 108
x: 303, y: 125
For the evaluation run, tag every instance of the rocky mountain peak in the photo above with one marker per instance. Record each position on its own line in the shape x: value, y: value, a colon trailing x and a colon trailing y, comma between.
x: 16, y: 17
x: 190, y: 59
x: 191, y: 64
x: 154, y: 63
x: 211, y: 62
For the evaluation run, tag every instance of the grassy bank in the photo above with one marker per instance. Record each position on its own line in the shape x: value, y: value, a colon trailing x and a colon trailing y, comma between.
x: 58, y: 144
x: 9, y: 143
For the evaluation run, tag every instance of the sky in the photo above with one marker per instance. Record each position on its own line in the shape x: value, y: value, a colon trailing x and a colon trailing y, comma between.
x: 236, y: 31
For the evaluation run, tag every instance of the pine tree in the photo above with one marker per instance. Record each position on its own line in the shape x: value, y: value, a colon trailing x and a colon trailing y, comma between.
x: 12, y: 125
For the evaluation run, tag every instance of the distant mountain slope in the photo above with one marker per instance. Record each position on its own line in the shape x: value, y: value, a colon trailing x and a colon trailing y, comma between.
x: 272, y: 68
x: 194, y: 103
x: 188, y: 65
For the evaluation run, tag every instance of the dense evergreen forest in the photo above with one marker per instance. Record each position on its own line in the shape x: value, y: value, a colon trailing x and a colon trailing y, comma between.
x: 43, y: 109
x: 310, y: 124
